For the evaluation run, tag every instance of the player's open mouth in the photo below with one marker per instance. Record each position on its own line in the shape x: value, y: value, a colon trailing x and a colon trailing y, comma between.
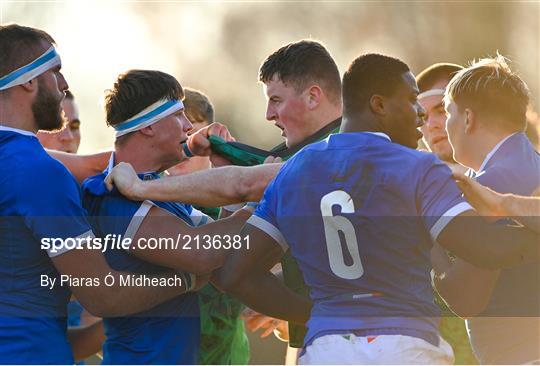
x: 282, y: 130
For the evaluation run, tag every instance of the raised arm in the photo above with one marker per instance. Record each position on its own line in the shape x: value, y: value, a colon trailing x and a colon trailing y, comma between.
x: 212, y: 187
x: 198, y: 250
x: 82, y: 166
x: 114, y: 300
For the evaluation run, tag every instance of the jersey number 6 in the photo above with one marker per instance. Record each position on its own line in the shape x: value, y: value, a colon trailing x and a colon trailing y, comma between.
x: 332, y: 226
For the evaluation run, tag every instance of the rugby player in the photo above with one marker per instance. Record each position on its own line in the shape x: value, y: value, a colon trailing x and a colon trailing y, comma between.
x: 303, y: 91
x: 486, y: 105
x: 40, y: 199
x: 360, y: 211
x: 432, y: 83
x: 84, y: 334
x: 145, y: 109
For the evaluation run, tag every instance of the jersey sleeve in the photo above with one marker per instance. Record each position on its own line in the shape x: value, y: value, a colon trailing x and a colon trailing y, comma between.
x: 199, y: 218
x: 439, y: 199
x: 50, y: 202
x: 264, y: 217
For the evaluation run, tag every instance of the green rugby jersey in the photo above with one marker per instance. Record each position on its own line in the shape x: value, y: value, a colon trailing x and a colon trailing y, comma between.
x: 223, y: 336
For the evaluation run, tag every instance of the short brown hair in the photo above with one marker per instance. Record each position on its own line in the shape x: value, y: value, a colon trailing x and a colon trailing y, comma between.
x: 491, y: 89
x: 301, y: 63
x: 428, y: 77
x: 198, y: 107
x: 20, y: 45
x: 135, y: 90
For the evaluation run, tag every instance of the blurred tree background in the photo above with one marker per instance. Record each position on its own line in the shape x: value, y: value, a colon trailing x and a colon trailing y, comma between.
x: 217, y: 47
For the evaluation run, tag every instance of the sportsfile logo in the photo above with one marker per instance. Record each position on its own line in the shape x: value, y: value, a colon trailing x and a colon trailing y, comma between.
x: 110, y: 241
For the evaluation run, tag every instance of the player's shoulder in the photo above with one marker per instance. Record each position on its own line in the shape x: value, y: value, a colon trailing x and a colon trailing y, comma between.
x: 94, y: 189
x: 95, y: 185
x: 99, y: 201
x: 35, y: 166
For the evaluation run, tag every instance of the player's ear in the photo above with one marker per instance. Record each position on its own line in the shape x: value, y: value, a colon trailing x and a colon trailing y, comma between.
x: 314, y: 94
x: 377, y: 104
x: 148, y: 131
x: 470, y: 120
x: 30, y: 85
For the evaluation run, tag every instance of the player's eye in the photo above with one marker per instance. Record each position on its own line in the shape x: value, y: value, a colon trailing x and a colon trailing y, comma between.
x: 75, y: 125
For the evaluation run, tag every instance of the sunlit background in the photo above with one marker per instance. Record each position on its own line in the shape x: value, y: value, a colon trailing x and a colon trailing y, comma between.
x: 217, y: 47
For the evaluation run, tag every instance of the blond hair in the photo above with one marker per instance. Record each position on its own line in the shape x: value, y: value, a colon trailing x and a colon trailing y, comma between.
x: 491, y: 89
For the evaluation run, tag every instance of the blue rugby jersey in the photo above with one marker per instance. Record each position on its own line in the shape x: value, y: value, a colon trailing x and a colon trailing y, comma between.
x: 166, y: 334
x: 508, y: 330
x: 39, y: 199
x: 360, y: 214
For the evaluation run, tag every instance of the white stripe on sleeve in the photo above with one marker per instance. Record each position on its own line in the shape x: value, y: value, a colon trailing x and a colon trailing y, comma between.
x: 137, y: 219
x: 447, y: 217
x: 55, y: 252
x: 269, y: 229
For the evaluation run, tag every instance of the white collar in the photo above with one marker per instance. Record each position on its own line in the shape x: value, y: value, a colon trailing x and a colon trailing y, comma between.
x: 492, y: 152
x: 381, y: 134
x: 22, y: 132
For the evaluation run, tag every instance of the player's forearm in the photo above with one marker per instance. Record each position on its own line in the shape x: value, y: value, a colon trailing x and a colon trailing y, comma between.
x: 200, y: 250
x: 82, y: 166
x: 268, y: 295
x: 525, y: 210
x: 129, y: 298
x: 214, y: 187
x: 86, y: 340
x: 488, y: 246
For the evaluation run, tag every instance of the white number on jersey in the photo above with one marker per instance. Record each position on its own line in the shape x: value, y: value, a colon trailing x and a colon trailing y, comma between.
x: 332, y: 226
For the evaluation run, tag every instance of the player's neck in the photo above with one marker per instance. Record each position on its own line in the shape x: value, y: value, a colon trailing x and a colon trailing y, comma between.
x: 483, y: 147
x: 17, y: 116
x: 361, y: 122
x: 142, y: 162
x: 326, y: 115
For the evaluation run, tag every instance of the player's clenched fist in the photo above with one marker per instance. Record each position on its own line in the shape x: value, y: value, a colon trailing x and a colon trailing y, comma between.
x: 125, y: 179
x: 198, y: 142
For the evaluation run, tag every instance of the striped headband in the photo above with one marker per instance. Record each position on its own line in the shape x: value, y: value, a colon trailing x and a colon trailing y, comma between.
x: 430, y: 93
x: 148, y: 116
x: 24, y: 74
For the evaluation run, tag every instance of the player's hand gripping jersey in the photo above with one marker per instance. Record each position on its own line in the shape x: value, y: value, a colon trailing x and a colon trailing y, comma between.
x: 359, y: 214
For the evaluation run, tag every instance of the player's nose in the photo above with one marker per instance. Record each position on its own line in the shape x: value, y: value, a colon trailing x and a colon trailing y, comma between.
x: 270, y: 113
x: 66, y: 134
x: 186, y: 124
